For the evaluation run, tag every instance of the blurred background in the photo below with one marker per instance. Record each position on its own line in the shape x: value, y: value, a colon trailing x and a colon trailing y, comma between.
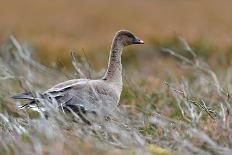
x: 54, y: 28
x: 180, y: 103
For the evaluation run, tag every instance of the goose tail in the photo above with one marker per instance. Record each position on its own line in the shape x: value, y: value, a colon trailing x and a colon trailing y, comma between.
x: 26, y: 95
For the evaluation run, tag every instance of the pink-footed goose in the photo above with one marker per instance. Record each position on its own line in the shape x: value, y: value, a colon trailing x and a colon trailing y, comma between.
x: 77, y: 93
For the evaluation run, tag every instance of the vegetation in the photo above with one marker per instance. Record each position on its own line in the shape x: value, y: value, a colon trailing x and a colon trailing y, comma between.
x: 186, y: 112
x: 176, y: 97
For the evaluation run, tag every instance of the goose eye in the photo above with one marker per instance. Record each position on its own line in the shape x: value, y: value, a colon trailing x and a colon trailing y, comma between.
x: 137, y: 41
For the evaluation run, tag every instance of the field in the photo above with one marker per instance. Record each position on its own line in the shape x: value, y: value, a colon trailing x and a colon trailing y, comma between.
x: 177, y: 86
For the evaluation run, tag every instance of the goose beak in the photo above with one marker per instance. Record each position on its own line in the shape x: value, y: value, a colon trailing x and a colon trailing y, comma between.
x: 138, y: 41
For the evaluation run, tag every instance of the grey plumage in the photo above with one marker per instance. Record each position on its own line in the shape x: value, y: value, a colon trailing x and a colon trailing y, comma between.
x: 81, y: 95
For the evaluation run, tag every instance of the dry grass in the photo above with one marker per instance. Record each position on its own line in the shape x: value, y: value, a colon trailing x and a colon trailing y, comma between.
x: 186, y: 115
x: 55, y: 29
x: 176, y: 100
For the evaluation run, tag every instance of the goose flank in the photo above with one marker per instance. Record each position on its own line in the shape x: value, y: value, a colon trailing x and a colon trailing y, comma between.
x: 78, y: 94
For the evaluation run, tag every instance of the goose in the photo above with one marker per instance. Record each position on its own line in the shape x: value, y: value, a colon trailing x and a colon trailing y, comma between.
x: 78, y: 94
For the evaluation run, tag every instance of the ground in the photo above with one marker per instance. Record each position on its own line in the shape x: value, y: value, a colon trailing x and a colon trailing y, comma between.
x: 177, y: 87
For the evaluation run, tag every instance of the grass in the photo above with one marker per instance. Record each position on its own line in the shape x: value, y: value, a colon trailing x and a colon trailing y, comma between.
x: 85, y: 24
x: 176, y: 97
x: 187, y: 112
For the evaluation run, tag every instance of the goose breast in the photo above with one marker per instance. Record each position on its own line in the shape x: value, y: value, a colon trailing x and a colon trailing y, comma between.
x: 84, y: 92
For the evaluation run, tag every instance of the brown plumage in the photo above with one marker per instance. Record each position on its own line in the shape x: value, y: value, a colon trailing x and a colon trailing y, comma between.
x: 82, y: 94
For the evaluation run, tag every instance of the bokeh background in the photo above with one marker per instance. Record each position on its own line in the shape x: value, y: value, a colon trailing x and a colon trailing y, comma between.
x: 171, y: 103
x: 54, y: 28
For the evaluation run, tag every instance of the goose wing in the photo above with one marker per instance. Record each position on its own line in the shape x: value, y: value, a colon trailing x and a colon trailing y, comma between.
x: 58, y: 92
x: 74, y: 94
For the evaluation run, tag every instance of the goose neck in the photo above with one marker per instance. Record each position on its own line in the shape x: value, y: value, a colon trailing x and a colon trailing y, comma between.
x: 114, y: 71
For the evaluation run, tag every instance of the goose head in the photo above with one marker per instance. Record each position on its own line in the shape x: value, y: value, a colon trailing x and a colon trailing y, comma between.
x: 126, y: 38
